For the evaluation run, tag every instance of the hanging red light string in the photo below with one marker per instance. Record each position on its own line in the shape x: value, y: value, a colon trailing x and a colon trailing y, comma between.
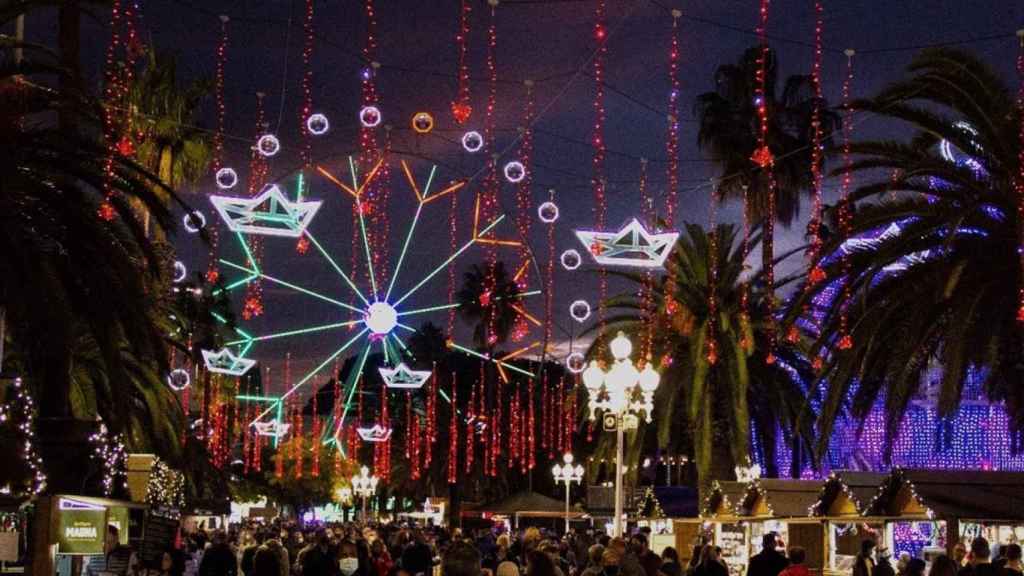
x: 524, y: 207
x: 453, y: 435
x: 764, y: 158
x: 845, y: 340
x: 461, y: 109
x: 258, y: 169
x: 559, y: 420
x: 212, y: 273
x: 430, y: 433
x: 544, y: 411
x: 672, y: 141
x: 306, y: 109
x: 118, y: 75
x: 488, y: 200
x: 598, y: 181
x: 470, y: 436
x: 1020, y: 175
x: 711, y: 346
x: 314, y: 440
x: 647, y: 290
x: 531, y: 426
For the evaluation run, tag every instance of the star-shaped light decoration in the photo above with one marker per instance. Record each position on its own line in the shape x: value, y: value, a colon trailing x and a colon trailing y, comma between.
x: 375, y: 433
x: 225, y: 362
x: 402, y: 377
x: 270, y: 213
x: 631, y: 246
x: 272, y: 428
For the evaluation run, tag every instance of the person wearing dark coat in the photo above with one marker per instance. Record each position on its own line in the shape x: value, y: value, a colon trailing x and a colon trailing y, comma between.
x: 884, y: 566
x: 219, y: 559
x: 266, y: 562
x: 864, y: 565
x: 769, y: 561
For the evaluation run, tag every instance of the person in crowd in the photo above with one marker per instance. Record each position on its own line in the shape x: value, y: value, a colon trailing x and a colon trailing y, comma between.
x: 691, y: 566
x: 380, y: 558
x: 710, y: 562
x: 943, y: 565
x: 349, y: 562
x: 417, y: 557
x: 629, y: 565
x: 916, y: 567
x: 316, y: 558
x: 670, y: 562
x: 864, y: 564
x: 117, y: 559
x: 902, y: 562
x: 1012, y: 567
x: 593, y: 567
x: 611, y: 561
x: 647, y: 559
x: 540, y: 563
x: 769, y: 561
x: 266, y: 561
x: 883, y: 567
x: 796, y: 557
x: 249, y: 553
x: 981, y: 560
x: 461, y: 559
x: 275, y: 547
x: 959, y: 554
x: 219, y: 559
x: 507, y: 568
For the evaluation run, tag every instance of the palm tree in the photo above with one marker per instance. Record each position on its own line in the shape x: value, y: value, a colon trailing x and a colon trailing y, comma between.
x: 729, y: 128
x: 707, y: 401
x: 487, y: 297
x: 69, y: 276
x: 166, y: 138
x: 930, y: 267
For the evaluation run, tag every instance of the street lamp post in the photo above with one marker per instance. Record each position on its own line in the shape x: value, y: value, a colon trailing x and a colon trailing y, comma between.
x: 567, y: 474
x: 364, y: 485
x: 621, y: 393
x: 344, y: 500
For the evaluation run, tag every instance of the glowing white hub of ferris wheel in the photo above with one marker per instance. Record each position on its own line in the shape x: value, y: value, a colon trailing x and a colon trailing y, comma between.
x: 381, y: 318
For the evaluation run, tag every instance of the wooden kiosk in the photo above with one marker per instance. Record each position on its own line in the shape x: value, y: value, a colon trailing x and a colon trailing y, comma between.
x: 842, y: 505
x: 782, y: 506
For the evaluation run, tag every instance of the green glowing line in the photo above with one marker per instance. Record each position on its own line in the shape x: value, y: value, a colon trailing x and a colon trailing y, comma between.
x: 405, y: 248
x: 384, y: 347
x: 430, y: 309
x: 296, y: 332
x: 222, y: 319
x: 407, y: 327
x: 294, y: 287
x: 337, y: 268
x: 298, y: 192
x: 244, y: 334
x: 362, y: 227
x: 251, y: 398
x: 401, y: 344
x: 248, y: 254
x: 444, y: 395
x: 488, y: 358
x: 280, y: 408
x: 314, y: 371
x: 449, y: 260
x: 238, y: 283
x: 245, y: 349
x: 352, y: 390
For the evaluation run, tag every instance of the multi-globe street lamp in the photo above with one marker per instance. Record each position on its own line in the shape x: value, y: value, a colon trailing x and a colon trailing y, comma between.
x: 364, y: 486
x: 567, y: 474
x: 621, y: 393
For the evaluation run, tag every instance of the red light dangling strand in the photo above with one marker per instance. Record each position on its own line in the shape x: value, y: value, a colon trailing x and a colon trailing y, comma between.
x: 461, y: 109
x: 672, y: 141
x: 302, y: 245
x: 314, y: 435
x: 1020, y: 176
x: 598, y: 181
x: 118, y: 76
x: 258, y: 167
x: 524, y: 208
x: 765, y: 159
x: 453, y: 435
x: 647, y: 290
x: 212, y: 273
x: 711, y: 346
x: 845, y: 340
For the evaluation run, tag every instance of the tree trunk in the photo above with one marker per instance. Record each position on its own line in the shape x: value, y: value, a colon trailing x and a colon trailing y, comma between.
x: 69, y: 45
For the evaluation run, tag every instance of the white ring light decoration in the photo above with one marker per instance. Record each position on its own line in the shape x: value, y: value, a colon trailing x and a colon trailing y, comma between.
x: 180, y: 272
x: 571, y: 259
x: 580, y: 311
x: 575, y: 362
x: 547, y: 212
x: 194, y: 221
x: 472, y: 141
x: 317, y: 124
x: 515, y: 171
x: 268, y: 145
x: 226, y: 178
x: 370, y: 116
x: 179, y: 379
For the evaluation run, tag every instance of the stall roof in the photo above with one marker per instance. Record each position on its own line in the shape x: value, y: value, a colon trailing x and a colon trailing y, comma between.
x: 847, y: 493
x: 780, y: 498
x: 525, y: 504
x: 964, y: 494
x: 668, y: 502
x: 723, y: 499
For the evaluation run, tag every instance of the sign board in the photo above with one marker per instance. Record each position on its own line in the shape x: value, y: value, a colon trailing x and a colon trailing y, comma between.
x: 81, y: 527
x: 117, y: 516
x: 732, y: 538
x: 8, y: 546
x: 159, y: 535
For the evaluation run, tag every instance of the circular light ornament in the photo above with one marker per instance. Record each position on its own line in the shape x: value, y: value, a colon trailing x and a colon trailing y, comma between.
x: 472, y: 141
x: 580, y: 311
x: 317, y: 124
x: 226, y: 178
x: 179, y: 272
x: 422, y: 122
x: 194, y: 221
x: 268, y: 145
x: 370, y: 116
x: 515, y: 171
x: 179, y: 379
x: 381, y: 318
x: 575, y: 362
x: 547, y: 212
x: 571, y: 259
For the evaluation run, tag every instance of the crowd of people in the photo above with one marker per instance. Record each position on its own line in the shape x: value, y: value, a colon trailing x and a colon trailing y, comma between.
x: 405, y: 550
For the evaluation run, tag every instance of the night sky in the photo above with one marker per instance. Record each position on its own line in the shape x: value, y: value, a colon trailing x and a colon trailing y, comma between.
x: 549, y: 41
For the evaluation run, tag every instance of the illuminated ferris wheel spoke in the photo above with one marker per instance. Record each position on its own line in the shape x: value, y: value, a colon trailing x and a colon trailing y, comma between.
x: 337, y: 268
x: 248, y: 253
x: 405, y: 246
x: 401, y: 344
x: 405, y: 327
x: 351, y: 392
x: 472, y: 352
x: 451, y: 258
x: 297, y: 332
x: 316, y: 370
x: 292, y: 286
x: 362, y: 223
x: 437, y: 308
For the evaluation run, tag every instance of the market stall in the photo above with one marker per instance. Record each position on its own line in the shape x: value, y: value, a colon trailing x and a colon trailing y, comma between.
x: 658, y: 509
x: 781, y: 505
x: 841, y: 505
x: 921, y: 508
x: 523, y: 506
x: 718, y: 522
